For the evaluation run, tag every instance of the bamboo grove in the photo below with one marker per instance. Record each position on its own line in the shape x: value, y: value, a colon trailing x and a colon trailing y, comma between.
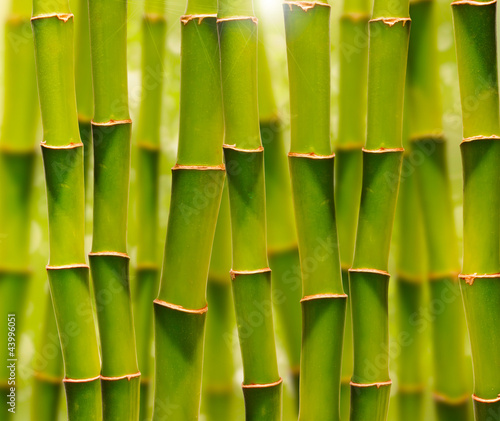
x: 258, y: 210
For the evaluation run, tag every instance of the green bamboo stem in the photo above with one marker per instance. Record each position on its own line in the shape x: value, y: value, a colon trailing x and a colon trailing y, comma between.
x: 148, y: 150
x: 197, y: 183
x: 244, y: 157
x: 109, y: 262
x: 218, y: 372
x: 49, y: 371
x: 349, y: 157
x: 283, y: 253
x: 17, y: 159
x: 428, y: 158
x: 307, y: 28
x: 475, y: 36
x: 63, y: 162
x: 382, y: 157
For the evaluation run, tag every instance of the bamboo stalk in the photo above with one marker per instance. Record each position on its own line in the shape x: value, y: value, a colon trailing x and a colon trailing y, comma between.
x: 218, y: 372
x: 349, y: 157
x: 389, y: 32
x: 428, y: 157
x: 17, y: 159
x: 63, y: 162
x: 109, y: 262
x: 148, y: 149
x: 283, y: 253
x: 311, y: 161
x: 197, y: 183
x: 243, y: 151
x: 475, y: 36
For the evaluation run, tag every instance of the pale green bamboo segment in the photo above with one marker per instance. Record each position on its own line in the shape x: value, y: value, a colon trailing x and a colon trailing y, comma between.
x: 49, y: 7
x: 234, y: 8
x: 155, y: 8
x: 390, y: 9
x: 21, y: 8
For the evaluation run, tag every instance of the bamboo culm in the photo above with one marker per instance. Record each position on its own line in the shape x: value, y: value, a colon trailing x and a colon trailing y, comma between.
x: 475, y: 40
x: 63, y: 162
x: 349, y: 158
x: 283, y: 252
x: 153, y: 31
x: 243, y: 151
x: 109, y: 262
x: 428, y: 147
x: 17, y: 160
x: 197, y: 183
x: 389, y: 31
x: 312, y: 173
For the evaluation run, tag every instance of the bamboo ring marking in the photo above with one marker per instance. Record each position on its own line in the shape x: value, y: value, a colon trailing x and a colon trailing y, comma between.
x: 391, y: 21
x: 482, y: 400
x: 70, y: 146
x: 447, y: 399
x: 47, y: 378
x: 109, y: 253
x: 233, y: 147
x: 148, y: 146
x: 88, y: 380
x: 8, y: 150
x: 470, y: 278
x: 480, y: 137
x: 153, y: 17
x: 252, y: 18
x: 310, y: 155
x: 438, y: 276
x: 235, y: 273
x: 356, y: 17
x: 16, y: 271
x: 383, y: 150
x: 412, y: 388
x: 321, y: 297
x: 349, y: 147
x: 220, y: 167
x: 410, y: 279
x: 180, y: 308
x: 185, y: 19
x: 147, y: 266
x: 112, y: 122
x: 126, y: 376
x: 377, y: 384
x: 65, y: 17
x: 62, y: 267
x: 263, y: 385
x: 437, y: 137
x: 305, y: 5
x: 368, y: 270
x: 472, y: 3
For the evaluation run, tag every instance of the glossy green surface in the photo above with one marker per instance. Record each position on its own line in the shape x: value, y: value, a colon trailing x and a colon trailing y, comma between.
x: 369, y: 403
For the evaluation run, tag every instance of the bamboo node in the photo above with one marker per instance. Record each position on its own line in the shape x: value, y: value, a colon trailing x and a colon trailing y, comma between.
x: 235, y: 273
x: 262, y: 385
x: 310, y: 155
x: 65, y: 17
x: 436, y: 137
x: 47, y: 378
x: 369, y: 270
x: 482, y: 400
x: 470, y: 278
x: 181, y: 308
x: 109, y: 253
x: 233, y: 147
x: 305, y: 5
x: 480, y: 137
x: 383, y: 150
x: 62, y: 267
x: 412, y: 388
x: 153, y: 17
x: 439, y: 397
x: 321, y: 297
x: 377, y: 384
x: 148, y: 146
x: 220, y: 167
x: 126, y: 376
x: 185, y: 19
x: 392, y: 21
x: 252, y: 18
x: 88, y: 380
x: 473, y: 3
x: 356, y: 17
x: 69, y: 146
x: 112, y: 122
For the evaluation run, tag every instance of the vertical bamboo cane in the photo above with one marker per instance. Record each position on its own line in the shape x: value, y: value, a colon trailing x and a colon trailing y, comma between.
x: 63, y: 161
x: 109, y: 262
x: 475, y: 36
x: 428, y: 158
x: 148, y: 149
x: 197, y: 183
x: 243, y: 152
x: 17, y: 158
x: 307, y: 28
x: 369, y: 280
x: 348, y: 155
x: 218, y: 368
x: 282, y: 245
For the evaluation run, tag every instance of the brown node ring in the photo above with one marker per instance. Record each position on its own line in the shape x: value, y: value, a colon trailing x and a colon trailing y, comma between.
x: 90, y: 379
x: 310, y: 155
x: 70, y: 146
x: 377, y: 384
x: 368, y: 270
x: 109, y: 253
x: 185, y: 19
x: 305, y: 5
x: 321, y: 297
x: 181, y: 308
x: 480, y: 137
x: 356, y: 17
x: 478, y: 399
x: 112, y: 123
x: 220, y: 167
x: 449, y: 400
x: 262, y: 385
x: 235, y: 273
x: 252, y: 18
x: 233, y: 147
x: 472, y: 3
x: 470, y: 278
x: 391, y: 21
x: 126, y: 376
x: 383, y: 150
x: 65, y: 17
x: 62, y: 267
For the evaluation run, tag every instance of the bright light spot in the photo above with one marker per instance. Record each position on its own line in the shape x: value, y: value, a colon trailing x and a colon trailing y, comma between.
x: 270, y: 7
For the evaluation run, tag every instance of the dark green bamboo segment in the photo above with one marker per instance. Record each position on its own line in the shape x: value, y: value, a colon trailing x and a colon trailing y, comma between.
x: 411, y: 405
x: 218, y: 370
x: 369, y: 401
x: 48, y: 370
x: 263, y: 403
x: 453, y: 410
x: 475, y: 36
